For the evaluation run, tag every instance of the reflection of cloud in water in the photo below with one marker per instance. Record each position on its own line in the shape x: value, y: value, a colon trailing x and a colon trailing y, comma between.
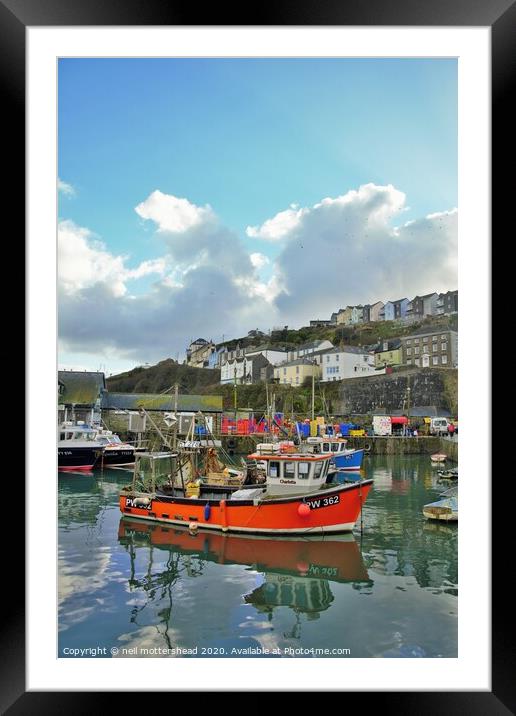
x: 148, y: 637
x: 77, y: 580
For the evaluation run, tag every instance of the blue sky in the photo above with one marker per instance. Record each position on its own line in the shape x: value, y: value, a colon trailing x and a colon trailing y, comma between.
x: 249, y: 138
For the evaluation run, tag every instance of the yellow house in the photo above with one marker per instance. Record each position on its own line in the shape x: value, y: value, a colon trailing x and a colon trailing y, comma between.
x: 344, y: 316
x: 388, y: 353
x: 294, y: 372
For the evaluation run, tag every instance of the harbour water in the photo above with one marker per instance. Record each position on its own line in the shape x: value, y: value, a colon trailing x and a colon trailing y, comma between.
x: 133, y: 589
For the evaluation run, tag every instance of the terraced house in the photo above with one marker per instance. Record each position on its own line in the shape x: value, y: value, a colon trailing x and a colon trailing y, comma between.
x: 294, y: 372
x: 437, y: 349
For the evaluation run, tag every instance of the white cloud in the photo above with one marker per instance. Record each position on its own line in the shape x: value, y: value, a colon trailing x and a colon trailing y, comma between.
x: 348, y: 250
x: 279, y: 226
x: 259, y: 260
x: 64, y: 188
x: 172, y: 214
x: 83, y: 261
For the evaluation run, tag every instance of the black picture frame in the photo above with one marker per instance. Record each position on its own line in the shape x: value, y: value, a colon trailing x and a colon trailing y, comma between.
x: 500, y: 16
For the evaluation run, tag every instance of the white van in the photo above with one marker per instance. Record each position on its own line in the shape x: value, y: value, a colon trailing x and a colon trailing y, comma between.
x: 439, y: 426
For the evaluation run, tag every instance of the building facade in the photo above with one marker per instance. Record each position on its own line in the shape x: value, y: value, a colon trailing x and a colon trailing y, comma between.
x: 394, y: 310
x: 388, y: 353
x: 199, y: 352
x: 245, y: 370
x: 311, y: 349
x: 346, y: 362
x: 447, y: 303
x: 435, y: 349
x: 295, y: 372
x: 422, y: 306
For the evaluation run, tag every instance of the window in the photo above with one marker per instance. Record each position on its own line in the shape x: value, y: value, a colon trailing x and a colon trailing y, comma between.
x: 297, y: 379
x: 444, y: 359
x: 289, y: 470
x: 337, y: 369
x: 434, y: 347
x: 416, y: 350
x: 416, y: 340
x: 425, y: 339
x: 336, y: 356
x: 443, y: 336
x: 297, y: 369
x: 417, y: 361
x: 327, y: 359
x: 409, y: 351
x: 355, y: 369
x: 303, y: 470
x: 274, y: 469
x: 409, y: 362
x: 317, y: 468
x: 284, y: 371
x: 434, y: 338
x: 435, y: 360
x: 409, y: 342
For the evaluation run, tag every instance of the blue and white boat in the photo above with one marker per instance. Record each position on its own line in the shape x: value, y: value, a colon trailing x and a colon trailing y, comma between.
x: 343, y: 458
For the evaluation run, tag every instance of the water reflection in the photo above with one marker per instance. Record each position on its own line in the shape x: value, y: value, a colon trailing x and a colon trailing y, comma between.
x: 296, y: 572
x: 389, y: 591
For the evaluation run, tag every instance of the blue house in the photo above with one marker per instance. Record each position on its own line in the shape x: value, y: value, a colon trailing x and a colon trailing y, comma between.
x: 394, y: 309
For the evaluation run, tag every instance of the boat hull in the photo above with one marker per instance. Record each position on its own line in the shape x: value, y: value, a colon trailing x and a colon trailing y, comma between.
x: 349, y: 461
x: 118, y: 457
x: 77, y: 458
x: 333, y: 510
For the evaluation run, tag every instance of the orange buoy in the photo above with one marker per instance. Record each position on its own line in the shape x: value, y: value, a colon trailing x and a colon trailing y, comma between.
x: 303, y: 510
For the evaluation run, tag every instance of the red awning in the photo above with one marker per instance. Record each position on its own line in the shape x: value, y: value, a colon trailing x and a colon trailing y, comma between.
x: 399, y: 420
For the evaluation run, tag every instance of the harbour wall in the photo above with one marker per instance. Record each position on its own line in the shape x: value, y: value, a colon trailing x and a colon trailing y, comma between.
x: 378, y: 445
x: 450, y: 448
x: 386, y: 393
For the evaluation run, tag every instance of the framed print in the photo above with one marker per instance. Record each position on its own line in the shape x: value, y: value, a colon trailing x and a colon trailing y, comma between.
x: 223, y: 196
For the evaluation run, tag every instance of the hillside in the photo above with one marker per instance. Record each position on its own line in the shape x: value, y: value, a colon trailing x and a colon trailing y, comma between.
x: 162, y: 376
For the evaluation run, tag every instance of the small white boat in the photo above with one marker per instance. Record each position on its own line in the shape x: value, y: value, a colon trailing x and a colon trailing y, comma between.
x: 438, y: 457
x: 446, y: 508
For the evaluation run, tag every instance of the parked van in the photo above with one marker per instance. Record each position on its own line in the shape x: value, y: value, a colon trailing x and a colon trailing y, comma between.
x: 439, y: 426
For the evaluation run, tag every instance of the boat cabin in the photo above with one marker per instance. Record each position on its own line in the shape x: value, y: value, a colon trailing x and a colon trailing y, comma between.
x: 326, y: 445
x: 294, y: 473
x: 68, y: 431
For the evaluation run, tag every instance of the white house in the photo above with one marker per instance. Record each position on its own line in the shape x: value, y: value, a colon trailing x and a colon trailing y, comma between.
x: 308, y: 349
x: 347, y: 362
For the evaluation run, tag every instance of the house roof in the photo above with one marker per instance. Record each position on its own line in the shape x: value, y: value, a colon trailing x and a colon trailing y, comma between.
x: 427, y: 332
x: 348, y: 349
x: 297, y: 361
x: 392, y: 345
x: 310, y: 344
x: 398, y: 300
x: 80, y: 387
x: 153, y: 401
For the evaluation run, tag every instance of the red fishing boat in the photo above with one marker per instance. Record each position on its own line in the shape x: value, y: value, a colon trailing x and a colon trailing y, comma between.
x: 295, y: 499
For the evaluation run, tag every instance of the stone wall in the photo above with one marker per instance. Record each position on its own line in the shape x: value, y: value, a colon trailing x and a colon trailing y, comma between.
x: 385, y: 393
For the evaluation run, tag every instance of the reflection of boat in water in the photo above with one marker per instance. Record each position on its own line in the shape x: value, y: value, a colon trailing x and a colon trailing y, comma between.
x: 446, y: 508
x: 335, y: 557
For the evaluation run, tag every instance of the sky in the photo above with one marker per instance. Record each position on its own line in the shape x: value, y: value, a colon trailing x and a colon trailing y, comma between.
x: 208, y: 197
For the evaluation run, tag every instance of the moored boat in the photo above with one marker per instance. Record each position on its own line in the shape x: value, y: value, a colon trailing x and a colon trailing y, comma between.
x: 343, y: 458
x: 294, y: 500
x: 77, y: 448
x: 446, y: 508
x: 438, y: 457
